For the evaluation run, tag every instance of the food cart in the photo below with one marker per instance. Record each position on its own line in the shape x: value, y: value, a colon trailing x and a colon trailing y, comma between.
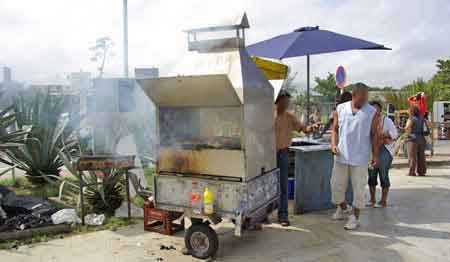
x: 216, y: 138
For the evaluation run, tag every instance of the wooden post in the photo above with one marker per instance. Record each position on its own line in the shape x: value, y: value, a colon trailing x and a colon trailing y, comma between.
x: 82, y: 197
x: 127, y: 187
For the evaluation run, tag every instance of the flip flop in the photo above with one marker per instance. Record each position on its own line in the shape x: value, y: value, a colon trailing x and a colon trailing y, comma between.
x: 380, y: 205
x: 370, y: 204
x: 285, y: 223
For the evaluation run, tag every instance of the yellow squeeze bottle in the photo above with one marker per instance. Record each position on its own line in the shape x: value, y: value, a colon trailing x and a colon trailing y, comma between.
x: 208, y: 202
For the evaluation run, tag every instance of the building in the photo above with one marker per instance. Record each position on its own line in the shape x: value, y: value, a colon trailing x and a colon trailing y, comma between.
x: 143, y: 73
x: 80, y: 81
x: 7, y: 74
x: 81, y: 85
x: 9, y: 89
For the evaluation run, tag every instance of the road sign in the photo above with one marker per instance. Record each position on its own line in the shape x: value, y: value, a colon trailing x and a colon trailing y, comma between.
x: 341, y: 77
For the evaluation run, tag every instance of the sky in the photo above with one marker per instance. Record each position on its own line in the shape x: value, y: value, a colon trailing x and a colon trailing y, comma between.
x: 45, y: 40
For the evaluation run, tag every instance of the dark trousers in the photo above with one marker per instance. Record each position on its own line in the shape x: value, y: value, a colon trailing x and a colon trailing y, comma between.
x: 416, y: 157
x: 283, y: 165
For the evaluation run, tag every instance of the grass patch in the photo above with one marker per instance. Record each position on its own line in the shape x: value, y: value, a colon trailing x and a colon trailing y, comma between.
x: 21, y: 186
x: 8, y: 182
x: 149, y: 172
x: 112, y: 223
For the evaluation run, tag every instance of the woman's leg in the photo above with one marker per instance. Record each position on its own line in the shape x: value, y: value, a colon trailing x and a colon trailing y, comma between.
x: 384, y: 166
x: 385, y: 184
x: 372, y: 181
x: 412, y: 157
x: 421, y: 160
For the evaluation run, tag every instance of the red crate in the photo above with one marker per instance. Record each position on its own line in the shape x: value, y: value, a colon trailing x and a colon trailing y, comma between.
x: 161, y: 221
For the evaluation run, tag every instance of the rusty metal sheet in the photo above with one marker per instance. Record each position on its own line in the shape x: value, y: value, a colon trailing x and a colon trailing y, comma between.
x: 228, y: 163
x: 104, y: 162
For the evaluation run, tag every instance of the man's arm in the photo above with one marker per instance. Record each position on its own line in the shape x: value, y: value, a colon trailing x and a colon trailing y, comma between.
x: 298, y: 126
x: 375, y: 139
x: 392, y: 130
x: 335, y: 134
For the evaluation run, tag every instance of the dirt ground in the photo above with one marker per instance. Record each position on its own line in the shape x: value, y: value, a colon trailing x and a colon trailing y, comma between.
x: 415, y: 227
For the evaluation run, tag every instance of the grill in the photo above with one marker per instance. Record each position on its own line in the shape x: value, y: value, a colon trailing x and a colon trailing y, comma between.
x: 214, y: 117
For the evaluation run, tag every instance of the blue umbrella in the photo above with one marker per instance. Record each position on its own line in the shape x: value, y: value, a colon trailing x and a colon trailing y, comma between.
x: 308, y: 41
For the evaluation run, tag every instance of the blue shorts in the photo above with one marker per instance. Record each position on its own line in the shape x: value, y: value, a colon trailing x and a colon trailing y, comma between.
x: 385, y: 161
x: 384, y: 177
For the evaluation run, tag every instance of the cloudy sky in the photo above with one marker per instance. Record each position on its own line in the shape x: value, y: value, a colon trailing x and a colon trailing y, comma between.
x: 46, y: 39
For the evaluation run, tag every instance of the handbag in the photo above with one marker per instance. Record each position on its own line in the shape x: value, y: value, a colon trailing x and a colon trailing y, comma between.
x: 426, y: 130
x: 385, y: 158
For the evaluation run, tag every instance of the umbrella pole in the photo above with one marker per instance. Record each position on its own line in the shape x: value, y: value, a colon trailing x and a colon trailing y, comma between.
x: 307, y: 90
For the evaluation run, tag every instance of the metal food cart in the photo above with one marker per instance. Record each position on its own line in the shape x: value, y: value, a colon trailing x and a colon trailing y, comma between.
x: 215, y: 130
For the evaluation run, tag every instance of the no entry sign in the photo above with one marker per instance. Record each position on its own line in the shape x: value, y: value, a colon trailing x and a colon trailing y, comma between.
x: 341, y: 77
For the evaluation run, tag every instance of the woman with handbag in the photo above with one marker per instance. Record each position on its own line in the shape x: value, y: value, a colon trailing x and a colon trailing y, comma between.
x: 415, y: 129
x: 388, y: 133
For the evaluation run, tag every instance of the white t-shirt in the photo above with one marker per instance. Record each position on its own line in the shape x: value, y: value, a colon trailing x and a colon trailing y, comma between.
x: 388, y: 126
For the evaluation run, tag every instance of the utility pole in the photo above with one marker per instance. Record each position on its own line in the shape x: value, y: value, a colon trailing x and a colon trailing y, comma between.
x: 125, y: 38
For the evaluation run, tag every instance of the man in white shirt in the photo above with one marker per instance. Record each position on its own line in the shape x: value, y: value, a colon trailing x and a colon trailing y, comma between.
x: 385, y: 156
x: 354, y: 137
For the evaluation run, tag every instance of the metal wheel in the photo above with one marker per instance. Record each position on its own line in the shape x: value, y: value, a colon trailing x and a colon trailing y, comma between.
x: 201, y: 241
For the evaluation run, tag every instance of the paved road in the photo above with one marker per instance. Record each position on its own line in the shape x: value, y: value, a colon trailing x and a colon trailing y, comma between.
x: 415, y: 227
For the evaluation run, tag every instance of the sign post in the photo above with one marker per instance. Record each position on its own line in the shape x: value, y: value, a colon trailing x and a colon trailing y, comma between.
x: 341, y: 77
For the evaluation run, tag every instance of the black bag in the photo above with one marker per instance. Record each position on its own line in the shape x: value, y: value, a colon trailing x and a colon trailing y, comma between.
x: 426, y: 130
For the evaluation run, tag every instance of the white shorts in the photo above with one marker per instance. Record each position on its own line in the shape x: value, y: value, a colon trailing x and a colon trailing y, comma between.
x: 339, y: 181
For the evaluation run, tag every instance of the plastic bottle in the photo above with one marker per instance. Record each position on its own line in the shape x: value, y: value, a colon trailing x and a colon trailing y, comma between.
x: 196, y: 197
x: 208, y: 202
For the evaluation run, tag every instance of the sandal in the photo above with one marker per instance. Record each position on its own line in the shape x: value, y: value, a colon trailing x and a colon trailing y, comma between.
x: 380, y: 205
x: 371, y: 204
x: 285, y: 223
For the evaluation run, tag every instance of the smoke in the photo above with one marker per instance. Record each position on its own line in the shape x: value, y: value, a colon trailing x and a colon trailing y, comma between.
x: 122, y: 122
x: 119, y: 108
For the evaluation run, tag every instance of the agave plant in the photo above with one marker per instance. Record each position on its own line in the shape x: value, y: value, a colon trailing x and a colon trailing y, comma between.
x: 44, y: 116
x: 104, y: 193
x: 9, y: 137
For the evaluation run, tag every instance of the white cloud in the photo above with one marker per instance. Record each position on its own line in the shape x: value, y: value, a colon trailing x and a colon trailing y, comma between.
x: 46, y: 38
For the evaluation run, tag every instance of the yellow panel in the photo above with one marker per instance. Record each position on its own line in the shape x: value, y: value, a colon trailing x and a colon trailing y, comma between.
x: 217, y: 162
x: 271, y: 70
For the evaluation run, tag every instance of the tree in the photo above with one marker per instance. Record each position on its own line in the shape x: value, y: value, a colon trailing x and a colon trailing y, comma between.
x: 300, y: 99
x: 435, y: 89
x: 101, y: 51
x: 289, y: 84
x: 443, y: 74
x: 326, y: 88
